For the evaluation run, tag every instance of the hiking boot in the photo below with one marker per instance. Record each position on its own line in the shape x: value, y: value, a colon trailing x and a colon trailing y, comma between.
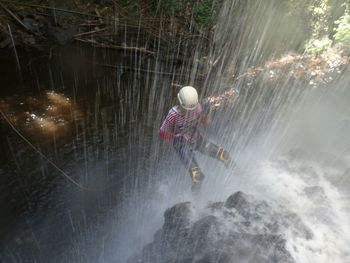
x: 224, y: 157
x: 197, y: 178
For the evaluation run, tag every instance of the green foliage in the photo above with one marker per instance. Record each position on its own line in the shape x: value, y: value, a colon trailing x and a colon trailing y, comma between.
x: 206, y: 11
x: 131, y: 6
x: 176, y: 6
x: 342, y: 31
x: 325, y: 26
x: 320, y: 15
x: 317, y: 46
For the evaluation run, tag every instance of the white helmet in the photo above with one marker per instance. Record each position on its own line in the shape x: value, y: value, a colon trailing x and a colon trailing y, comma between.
x: 188, y: 97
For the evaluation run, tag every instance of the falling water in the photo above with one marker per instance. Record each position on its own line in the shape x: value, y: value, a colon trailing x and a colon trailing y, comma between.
x: 290, y: 142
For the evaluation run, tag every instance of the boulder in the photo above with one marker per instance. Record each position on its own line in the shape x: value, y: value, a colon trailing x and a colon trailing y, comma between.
x: 240, y: 230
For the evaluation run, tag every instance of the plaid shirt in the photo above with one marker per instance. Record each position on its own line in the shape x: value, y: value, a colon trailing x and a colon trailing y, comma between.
x: 185, y: 125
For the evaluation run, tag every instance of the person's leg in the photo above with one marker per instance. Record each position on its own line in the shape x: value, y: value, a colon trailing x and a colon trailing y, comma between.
x: 186, y: 155
x: 209, y: 148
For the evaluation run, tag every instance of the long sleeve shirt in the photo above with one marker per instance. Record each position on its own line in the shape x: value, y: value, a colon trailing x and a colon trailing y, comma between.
x: 184, y: 125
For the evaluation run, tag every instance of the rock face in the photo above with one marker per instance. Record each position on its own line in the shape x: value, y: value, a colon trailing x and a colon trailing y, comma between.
x: 241, y: 229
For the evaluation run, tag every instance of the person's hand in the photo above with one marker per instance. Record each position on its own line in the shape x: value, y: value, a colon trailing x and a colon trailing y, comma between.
x: 206, y: 120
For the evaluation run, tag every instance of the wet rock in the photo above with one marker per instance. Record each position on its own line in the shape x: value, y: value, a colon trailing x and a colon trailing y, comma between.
x: 200, y: 234
x: 238, y: 200
x: 233, y: 234
x: 246, y: 206
x: 298, y: 227
x: 59, y: 35
x: 178, y: 216
x: 216, y: 206
x: 5, y: 42
x: 174, y: 234
x: 34, y: 24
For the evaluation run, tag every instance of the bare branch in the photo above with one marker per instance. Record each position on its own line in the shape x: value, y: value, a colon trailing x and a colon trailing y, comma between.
x: 97, y: 44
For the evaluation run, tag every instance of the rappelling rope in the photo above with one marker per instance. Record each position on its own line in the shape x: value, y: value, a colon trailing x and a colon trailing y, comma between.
x: 63, y: 173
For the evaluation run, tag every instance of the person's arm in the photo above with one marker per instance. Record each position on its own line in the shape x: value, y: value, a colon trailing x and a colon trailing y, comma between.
x: 211, y: 104
x: 206, y: 112
x: 166, y: 131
